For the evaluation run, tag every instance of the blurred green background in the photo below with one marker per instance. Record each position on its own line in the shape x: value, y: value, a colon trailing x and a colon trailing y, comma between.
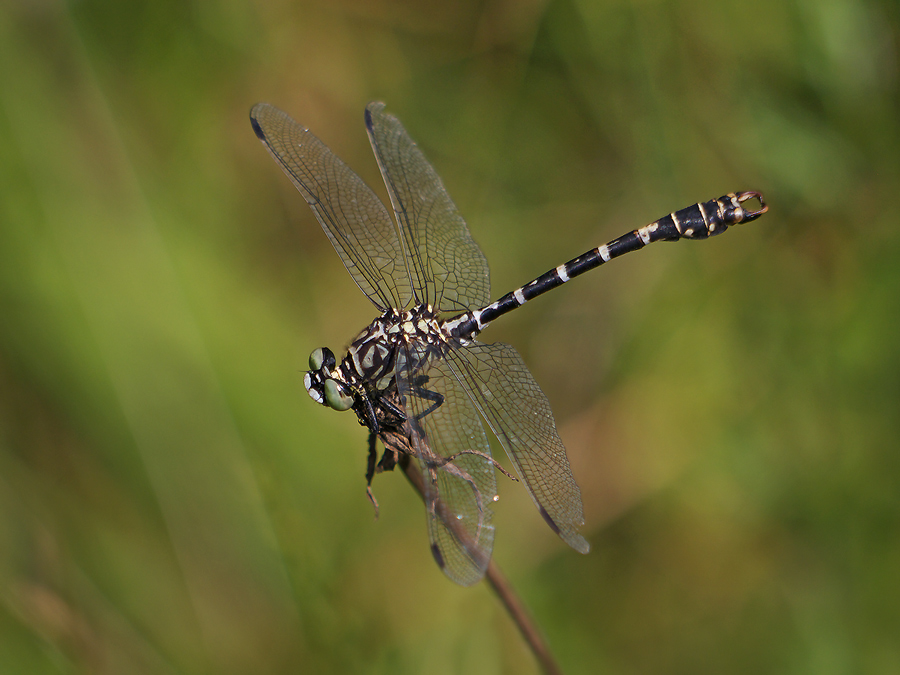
x: 171, y: 501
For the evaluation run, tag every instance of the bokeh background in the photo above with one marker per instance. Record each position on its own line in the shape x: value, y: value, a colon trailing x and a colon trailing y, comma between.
x: 172, y: 502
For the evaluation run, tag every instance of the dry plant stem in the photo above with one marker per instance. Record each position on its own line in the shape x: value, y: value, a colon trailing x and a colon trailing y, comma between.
x: 504, y: 590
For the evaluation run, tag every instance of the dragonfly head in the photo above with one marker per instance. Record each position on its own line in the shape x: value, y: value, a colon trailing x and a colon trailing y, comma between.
x: 324, y: 383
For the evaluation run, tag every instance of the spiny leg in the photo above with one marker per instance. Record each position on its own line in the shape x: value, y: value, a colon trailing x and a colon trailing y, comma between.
x: 436, y: 398
x: 418, y: 389
x: 447, y: 460
x: 388, y: 405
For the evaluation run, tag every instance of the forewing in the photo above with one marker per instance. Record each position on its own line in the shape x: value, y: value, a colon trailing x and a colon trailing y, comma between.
x: 447, y: 269
x: 354, y: 218
x: 507, y: 396
x: 460, y: 489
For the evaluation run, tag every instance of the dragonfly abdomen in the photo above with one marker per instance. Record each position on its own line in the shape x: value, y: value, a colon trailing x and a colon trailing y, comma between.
x: 699, y: 221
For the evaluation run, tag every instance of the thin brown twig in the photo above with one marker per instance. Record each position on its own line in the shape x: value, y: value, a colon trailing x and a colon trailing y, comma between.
x: 497, y: 580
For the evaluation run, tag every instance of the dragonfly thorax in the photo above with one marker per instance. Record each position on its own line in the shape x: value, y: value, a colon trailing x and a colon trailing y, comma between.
x: 368, y: 367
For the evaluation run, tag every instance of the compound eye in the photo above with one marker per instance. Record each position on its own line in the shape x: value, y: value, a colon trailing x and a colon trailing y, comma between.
x: 315, y: 359
x: 322, y: 357
x: 336, y: 397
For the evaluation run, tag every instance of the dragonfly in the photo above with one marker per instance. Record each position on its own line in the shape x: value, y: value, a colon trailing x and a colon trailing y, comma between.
x: 417, y: 377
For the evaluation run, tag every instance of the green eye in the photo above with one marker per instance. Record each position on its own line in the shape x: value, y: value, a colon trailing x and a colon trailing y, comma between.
x: 322, y: 358
x: 316, y: 359
x: 335, y: 396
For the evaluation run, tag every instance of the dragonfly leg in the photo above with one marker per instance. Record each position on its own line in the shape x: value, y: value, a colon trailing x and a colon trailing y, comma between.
x: 370, y: 471
x: 365, y: 410
x: 435, y: 463
x: 463, y: 475
x: 483, y: 455
x: 418, y: 389
x: 436, y: 398
x: 388, y: 460
x: 388, y: 405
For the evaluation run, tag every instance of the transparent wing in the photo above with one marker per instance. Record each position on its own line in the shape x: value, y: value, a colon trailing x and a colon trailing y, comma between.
x: 505, y: 393
x: 447, y: 268
x: 354, y: 218
x: 453, y: 453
